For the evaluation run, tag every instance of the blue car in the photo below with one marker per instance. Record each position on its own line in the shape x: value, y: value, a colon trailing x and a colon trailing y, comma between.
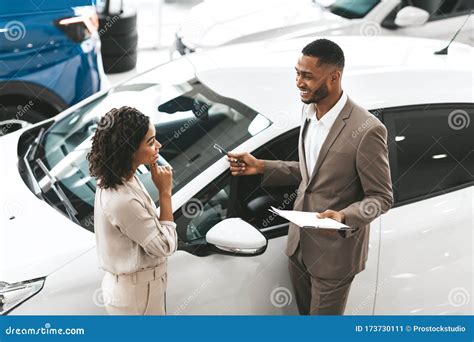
x: 49, y: 58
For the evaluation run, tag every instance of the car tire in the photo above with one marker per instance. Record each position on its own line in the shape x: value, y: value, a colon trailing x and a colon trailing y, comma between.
x: 119, y: 44
x: 120, y: 63
x: 119, y: 37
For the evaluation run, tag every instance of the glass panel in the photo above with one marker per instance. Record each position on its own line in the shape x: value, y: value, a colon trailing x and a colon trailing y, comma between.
x: 189, y: 118
x: 434, y: 150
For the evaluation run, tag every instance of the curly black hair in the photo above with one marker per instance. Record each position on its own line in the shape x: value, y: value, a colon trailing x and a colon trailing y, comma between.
x: 118, y: 136
x: 327, y: 51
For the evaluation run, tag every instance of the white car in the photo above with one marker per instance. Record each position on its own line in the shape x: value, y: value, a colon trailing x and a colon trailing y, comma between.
x: 221, y: 22
x: 231, y: 248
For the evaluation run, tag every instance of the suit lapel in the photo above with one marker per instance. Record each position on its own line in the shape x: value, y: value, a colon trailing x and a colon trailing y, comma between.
x: 301, y: 151
x: 332, y: 136
x: 302, y: 154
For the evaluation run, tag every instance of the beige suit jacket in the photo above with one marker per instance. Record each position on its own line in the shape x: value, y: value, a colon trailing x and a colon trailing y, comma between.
x: 351, y: 175
x: 129, y: 234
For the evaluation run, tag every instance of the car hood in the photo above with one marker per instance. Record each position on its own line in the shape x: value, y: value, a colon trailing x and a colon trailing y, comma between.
x: 216, y: 22
x: 35, y: 239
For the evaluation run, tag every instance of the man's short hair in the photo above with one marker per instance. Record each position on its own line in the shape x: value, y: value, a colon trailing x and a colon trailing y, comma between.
x: 326, y: 51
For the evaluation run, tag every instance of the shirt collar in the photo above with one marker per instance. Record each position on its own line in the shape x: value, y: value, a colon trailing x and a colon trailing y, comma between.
x: 328, y: 118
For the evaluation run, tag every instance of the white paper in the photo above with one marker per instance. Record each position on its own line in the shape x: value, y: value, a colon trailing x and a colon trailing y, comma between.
x: 308, y: 219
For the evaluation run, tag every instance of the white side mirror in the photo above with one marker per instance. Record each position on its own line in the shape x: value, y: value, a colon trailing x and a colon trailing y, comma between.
x: 411, y: 16
x: 236, y: 236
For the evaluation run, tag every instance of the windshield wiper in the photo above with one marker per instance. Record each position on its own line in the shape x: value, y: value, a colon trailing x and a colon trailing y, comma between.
x: 33, y: 149
x: 53, y: 184
x: 29, y: 157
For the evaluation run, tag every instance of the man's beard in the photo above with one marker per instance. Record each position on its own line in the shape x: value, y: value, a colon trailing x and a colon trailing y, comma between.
x: 319, y: 94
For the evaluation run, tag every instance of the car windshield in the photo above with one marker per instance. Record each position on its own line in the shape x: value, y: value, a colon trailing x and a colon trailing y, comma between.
x: 351, y: 9
x: 189, y: 119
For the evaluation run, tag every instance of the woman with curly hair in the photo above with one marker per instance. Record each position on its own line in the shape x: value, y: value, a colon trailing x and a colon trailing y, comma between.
x: 133, y: 241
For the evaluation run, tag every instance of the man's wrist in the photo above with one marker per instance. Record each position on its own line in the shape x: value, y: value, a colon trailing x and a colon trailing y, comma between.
x: 343, y: 217
x: 260, y: 166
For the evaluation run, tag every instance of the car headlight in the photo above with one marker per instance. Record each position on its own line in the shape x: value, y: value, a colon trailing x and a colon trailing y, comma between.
x: 12, y: 295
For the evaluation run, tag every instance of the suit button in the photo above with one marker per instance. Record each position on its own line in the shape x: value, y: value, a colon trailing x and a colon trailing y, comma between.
x: 308, y: 191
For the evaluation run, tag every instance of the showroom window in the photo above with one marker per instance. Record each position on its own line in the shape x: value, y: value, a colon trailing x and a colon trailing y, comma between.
x: 431, y: 149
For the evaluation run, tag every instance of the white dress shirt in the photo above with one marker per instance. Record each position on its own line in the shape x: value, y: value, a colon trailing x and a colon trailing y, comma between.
x: 318, y: 130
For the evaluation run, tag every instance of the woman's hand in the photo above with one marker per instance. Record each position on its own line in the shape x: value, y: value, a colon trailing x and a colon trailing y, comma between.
x: 162, y: 177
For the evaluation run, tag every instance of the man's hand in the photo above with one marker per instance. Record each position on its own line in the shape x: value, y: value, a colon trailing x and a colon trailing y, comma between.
x: 335, y: 215
x: 244, y: 164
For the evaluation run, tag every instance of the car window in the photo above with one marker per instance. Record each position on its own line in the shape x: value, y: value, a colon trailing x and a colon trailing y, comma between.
x: 189, y: 118
x: 351, y: 9
x: 431, y: 149
x: 438, y: 9
x: 242, y: 197
x: 430, y: 6
x: 201, y: 213
x: 454, y: 7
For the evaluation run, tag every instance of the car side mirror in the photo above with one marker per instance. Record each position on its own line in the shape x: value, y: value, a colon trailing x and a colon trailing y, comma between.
x: 411, y: 16
x: 237, y: 236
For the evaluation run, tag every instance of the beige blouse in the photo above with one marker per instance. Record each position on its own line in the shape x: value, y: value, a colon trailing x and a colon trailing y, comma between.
x: 130, y: 237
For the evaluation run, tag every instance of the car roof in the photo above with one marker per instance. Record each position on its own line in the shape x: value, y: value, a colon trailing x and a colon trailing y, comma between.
x: 380, y: 72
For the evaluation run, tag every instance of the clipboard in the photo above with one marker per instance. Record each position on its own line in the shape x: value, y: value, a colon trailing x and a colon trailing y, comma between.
x: 305, y: 219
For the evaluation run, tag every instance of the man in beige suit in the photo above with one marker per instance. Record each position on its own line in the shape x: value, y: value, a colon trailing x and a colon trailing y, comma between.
x: 343, y: 173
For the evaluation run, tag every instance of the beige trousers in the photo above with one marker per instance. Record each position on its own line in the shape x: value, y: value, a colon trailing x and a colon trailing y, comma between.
x: 139, y: 293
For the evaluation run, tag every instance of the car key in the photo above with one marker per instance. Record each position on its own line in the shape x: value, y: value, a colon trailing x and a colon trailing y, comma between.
x: 223, y: 151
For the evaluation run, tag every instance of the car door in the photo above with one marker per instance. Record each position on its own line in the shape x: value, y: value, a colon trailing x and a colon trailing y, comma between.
x: 204, y: 280
x: 426, y: 264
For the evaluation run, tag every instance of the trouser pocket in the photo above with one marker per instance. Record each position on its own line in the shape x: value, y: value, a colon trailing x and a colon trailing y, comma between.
x: 156, y: 299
